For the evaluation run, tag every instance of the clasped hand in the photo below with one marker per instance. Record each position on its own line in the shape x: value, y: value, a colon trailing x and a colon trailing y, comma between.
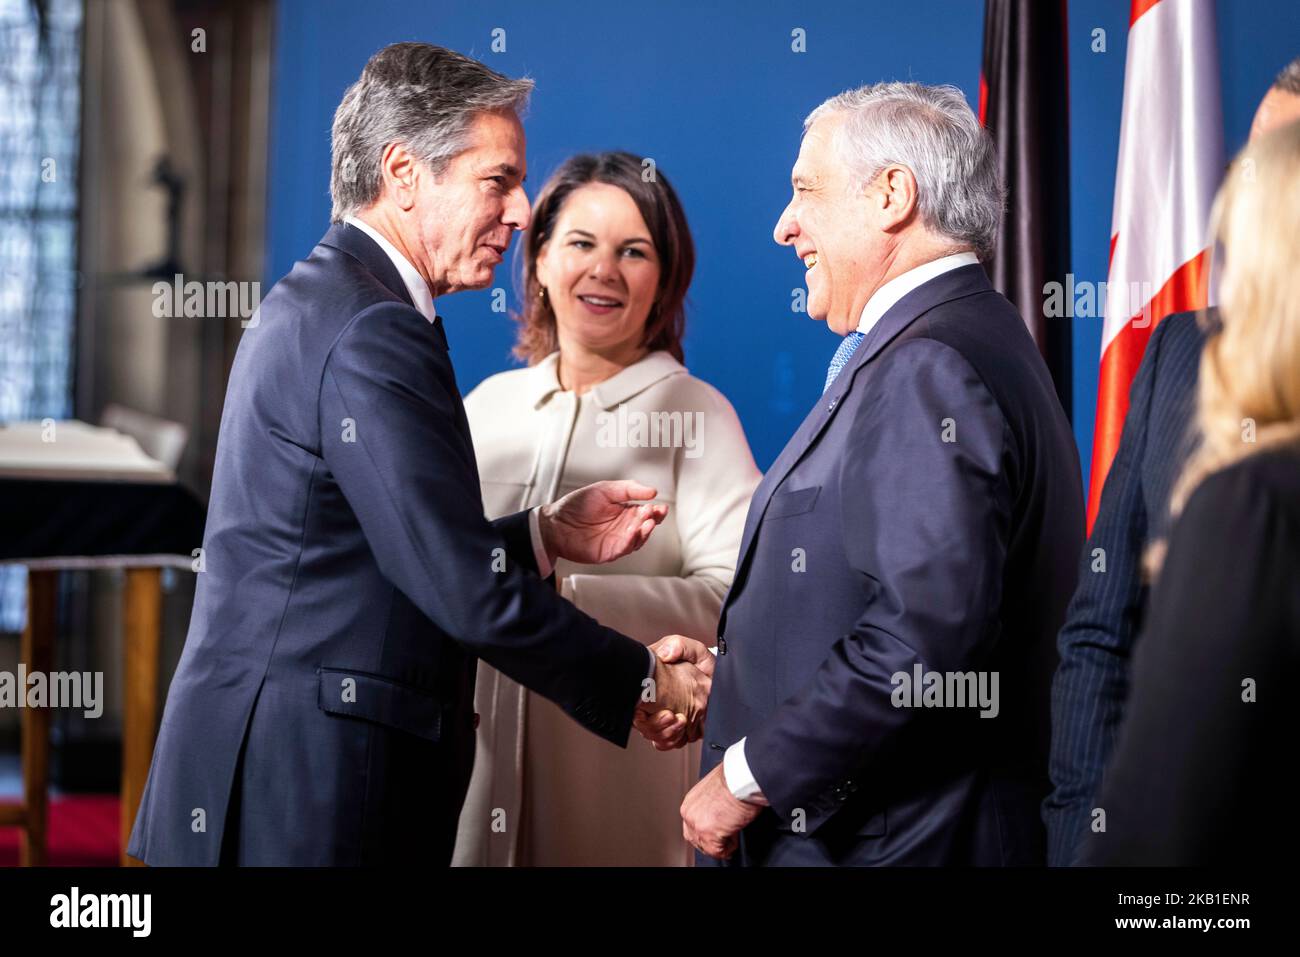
x: 674, y: 704
x: 712, y: 818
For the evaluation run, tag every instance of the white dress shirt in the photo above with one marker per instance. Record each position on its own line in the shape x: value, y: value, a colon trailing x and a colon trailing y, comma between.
x: 735, y: 769
x: 423, y: 299
x: 884, y: 298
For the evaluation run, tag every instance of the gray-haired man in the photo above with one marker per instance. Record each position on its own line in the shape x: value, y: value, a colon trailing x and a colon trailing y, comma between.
x: 885, y: 651
x: 322, y: 710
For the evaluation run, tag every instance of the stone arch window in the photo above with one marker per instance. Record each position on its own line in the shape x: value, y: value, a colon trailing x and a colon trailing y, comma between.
x: 40, y: 127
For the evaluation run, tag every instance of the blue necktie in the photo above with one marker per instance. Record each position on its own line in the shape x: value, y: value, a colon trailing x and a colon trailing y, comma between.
x: 842, y: 356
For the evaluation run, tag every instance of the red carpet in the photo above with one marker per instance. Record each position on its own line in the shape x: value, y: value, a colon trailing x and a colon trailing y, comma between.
x: 82, y: 832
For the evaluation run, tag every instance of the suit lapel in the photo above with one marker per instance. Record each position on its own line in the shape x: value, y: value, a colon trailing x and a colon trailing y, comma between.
x: 954, y: 284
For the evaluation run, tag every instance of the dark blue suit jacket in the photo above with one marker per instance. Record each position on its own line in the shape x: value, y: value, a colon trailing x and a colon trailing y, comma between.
x: 928, y: 511
x: 1105, y: 616
x: 322, y: 711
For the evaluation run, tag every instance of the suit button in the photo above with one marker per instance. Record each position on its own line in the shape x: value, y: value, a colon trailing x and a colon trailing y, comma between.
x: 722, y: 645
x: 716, y: 747
x: 834, y: 402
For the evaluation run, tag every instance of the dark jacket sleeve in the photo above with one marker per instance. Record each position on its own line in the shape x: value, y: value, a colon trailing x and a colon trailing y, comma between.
x: 1195, y: 777
x: 515, y: 532
x: 1101, y: 623
x: 408, y: 473
x: 927, y: 530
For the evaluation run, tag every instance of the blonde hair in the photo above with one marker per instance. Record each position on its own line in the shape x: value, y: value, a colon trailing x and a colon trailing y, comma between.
x: 1248, y: 398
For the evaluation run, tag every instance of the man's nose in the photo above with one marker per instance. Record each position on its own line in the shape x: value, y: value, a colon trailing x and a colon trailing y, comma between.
x: 787, y: 228
x: 518, y: 211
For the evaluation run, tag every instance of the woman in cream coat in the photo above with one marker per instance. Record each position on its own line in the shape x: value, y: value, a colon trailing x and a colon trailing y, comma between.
x: 608, y: 259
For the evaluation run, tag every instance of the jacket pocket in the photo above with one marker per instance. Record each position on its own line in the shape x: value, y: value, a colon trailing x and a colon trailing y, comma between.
x: 358, y: 694
x: 792, y: 503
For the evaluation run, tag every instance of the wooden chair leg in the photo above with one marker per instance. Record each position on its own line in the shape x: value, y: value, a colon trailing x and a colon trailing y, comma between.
x: 37, y: 653
x: 141, y: 643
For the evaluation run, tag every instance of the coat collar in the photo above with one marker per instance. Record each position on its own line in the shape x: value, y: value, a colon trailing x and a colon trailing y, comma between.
x: 954, y: 284
x: 366, y: 251
x: 543, y: 379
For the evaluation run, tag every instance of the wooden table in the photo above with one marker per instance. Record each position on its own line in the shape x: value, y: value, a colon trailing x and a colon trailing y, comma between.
x: 51, y: 525
x: 141, y: 642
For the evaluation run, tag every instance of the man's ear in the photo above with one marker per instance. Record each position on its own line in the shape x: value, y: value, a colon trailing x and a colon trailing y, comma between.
x: 898, y: 194
x: 400, y: 172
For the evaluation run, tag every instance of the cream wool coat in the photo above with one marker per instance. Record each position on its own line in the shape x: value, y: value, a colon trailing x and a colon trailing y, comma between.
x: 545, y: 792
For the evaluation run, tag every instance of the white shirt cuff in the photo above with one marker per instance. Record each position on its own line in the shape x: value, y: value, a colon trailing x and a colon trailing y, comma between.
x: 544, y: 566
x: 653, y: 661
x: 739, y: 779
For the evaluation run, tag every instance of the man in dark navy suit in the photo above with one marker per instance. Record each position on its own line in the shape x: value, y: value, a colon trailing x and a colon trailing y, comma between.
x: 885, y: 652
x: 1105, y: 616
x: 322, y: 709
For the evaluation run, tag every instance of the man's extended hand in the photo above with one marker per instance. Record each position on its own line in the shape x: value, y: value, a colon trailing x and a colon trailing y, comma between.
x: 660, y: 721
x: 713, y: 817
x: 596, y: 524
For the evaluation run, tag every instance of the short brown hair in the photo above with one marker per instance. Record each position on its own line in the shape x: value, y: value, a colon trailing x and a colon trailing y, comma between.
x: 664, y: 217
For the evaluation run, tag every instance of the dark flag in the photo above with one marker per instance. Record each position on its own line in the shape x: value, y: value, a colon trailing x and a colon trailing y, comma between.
x: 1024, y: 103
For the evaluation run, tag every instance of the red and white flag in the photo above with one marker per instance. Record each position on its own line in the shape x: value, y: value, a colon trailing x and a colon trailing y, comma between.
x: 1170, y: 164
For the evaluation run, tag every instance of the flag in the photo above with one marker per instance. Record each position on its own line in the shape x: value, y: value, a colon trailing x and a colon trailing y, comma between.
x: 1024, y: 104
x: 1170, y: 164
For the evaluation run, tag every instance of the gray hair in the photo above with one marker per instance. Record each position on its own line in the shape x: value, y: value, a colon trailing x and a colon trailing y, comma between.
x: 932, y: 131
x: 417, y: 94
x: 1288, y: 81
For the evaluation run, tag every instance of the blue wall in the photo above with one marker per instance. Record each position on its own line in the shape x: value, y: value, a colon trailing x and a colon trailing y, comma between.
x: 717, y: 100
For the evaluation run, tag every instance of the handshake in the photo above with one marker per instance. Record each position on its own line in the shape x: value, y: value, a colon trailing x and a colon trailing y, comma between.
x: 671, y: 713
x: 675, y: 700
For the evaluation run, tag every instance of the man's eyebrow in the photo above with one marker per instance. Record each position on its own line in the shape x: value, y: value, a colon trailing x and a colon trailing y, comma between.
x: 505, y: 169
